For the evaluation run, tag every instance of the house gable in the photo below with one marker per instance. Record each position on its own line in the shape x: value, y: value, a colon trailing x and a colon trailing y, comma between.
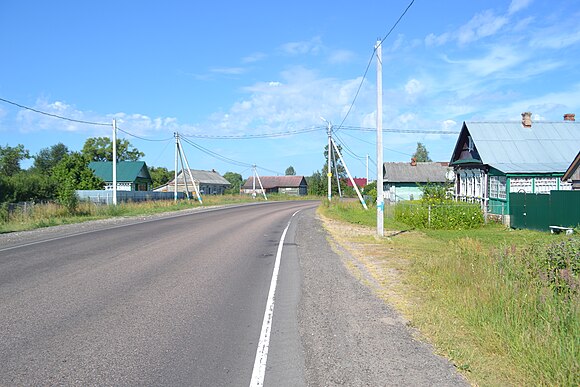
x: 465, y: 151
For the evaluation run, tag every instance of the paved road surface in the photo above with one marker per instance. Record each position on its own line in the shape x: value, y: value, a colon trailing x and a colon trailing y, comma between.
x: 180, y: 300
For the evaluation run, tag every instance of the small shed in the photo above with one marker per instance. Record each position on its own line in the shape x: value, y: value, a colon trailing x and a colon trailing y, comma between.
x: 572, y: 174
x: 402, y: 181
x: 208, y: 182
x: 131, y: 175
x: 288, y: 185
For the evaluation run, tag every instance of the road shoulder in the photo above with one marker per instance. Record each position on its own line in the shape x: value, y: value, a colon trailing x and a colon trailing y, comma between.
x: 350, y: 336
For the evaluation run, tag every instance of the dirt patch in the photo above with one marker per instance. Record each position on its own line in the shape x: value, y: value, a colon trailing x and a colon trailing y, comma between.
x: 375, y: 261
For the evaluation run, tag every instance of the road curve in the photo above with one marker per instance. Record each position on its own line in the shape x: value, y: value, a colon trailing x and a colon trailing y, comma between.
x: 171, y: 301
x: 180, y: 299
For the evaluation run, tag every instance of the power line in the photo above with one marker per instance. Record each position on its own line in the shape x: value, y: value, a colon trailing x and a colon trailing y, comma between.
x: 397, y: 22
x: 224, y: 158
x: 252, y: 136
x: 143, y: 138
x: 55, y: 115
x: 371, y: 60
x: 393, y: 130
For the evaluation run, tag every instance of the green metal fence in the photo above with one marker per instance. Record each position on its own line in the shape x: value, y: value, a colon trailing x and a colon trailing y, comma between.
x: 540, y: 211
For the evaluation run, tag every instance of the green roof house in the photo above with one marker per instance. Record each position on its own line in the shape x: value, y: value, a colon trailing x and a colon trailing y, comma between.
x: 131, y: 175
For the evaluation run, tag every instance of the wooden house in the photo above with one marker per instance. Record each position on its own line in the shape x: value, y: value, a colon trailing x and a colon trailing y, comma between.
x: 131, y: 175
x: 493, y: 159
x: 403, y: 181
x: 288, y: 185
x: 572, y: 174
x: 208, y: 182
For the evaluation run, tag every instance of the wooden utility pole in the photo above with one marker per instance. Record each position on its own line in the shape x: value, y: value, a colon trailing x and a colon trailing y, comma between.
x: 380, y: 197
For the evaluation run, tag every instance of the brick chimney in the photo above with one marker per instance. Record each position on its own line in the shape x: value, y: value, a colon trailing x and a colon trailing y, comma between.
x: 527, y: 119
x: 570, y: 117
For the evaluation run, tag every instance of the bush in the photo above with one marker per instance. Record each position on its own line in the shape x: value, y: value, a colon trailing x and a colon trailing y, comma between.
x: 448, y: 215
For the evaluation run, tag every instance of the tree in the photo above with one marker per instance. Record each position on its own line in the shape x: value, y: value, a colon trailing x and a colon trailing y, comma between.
x: 101, y: 149
x: 160, y: 176
x: 316, y: 185
x: 73, y: 173
x: 336, y: 168
x: 236, y: 180
x: 421, y: 154
x: 290, y: 171
x: 10, y: 158
x: 48, y: 158
x: 28, y: 185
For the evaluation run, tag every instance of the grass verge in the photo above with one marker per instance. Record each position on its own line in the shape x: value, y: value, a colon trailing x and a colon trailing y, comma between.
x: 52, y: 214
x: 488, y: 298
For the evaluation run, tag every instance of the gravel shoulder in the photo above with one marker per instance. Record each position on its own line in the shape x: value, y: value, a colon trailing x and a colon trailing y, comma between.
x: 350, y: 336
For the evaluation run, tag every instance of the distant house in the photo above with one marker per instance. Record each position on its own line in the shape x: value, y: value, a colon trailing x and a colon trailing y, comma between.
x: 572, y: 174
x: 360, y: 182
x: 208, y: 182
x: 131, y: 175
x: 289, y: 185
x: 493, y: 159
x: 402, y: 181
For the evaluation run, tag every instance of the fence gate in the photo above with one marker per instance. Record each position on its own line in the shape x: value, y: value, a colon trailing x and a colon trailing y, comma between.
x: 540, y: 211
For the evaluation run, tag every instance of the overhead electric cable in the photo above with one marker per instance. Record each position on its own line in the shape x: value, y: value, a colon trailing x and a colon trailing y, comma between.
x: 217, y: 155
x: 369, y: 64
x: 392, y: 130
x: 55, y: 115
x: 253, y: 136
x: 143, y: 138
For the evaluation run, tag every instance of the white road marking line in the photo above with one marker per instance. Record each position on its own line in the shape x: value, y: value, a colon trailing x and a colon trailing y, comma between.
x: 259, y: 372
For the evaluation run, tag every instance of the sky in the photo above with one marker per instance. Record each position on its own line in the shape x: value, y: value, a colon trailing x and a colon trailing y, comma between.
x: 258, y: 76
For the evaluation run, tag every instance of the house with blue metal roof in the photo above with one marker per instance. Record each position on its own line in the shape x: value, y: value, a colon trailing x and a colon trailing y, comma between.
x: 493, y: 159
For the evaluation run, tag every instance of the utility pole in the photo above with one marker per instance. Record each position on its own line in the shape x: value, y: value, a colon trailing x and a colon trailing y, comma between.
x: 367, y: 168
x: 328, y: 170
x: 350, y: 176
x: 176, y: 163
x: 259, y: 181
x: 114, y: 162
x: 380, y: 197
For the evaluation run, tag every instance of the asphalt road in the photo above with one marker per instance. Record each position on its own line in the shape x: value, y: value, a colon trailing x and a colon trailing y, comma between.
x: 180, y: 300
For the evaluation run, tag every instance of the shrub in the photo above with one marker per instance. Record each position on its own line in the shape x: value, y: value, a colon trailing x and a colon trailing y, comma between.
x: 448, y: 215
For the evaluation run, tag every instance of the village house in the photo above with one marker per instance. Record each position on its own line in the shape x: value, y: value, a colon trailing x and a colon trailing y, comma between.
x: 288, y: 185
x: 572, y: 174
x: 208, y: 182
x: 403, y: 181
x: 493, y: 159
x: 131, y: 175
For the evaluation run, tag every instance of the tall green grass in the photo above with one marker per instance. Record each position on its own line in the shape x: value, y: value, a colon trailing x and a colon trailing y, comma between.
x: 504, y: 305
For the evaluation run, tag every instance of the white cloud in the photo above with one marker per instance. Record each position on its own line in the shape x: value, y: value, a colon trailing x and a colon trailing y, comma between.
x: 341, y: 56
x: 480, y: 26
x: 449, y: 125
x: 414, y: 87
x: 255, y: 57
x: 518, y: 5
x: 313, y: 46
x: 229, y: 70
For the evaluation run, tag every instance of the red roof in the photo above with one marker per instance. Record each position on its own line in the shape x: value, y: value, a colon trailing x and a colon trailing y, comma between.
x: 360, y: 182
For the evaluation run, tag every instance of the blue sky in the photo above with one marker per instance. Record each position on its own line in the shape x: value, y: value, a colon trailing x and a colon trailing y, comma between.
x: 229, y: 68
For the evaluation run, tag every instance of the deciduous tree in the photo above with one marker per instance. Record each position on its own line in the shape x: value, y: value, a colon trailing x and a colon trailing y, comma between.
x: 10, y: 158
x: 101, y: 149
x: 47, y: 158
